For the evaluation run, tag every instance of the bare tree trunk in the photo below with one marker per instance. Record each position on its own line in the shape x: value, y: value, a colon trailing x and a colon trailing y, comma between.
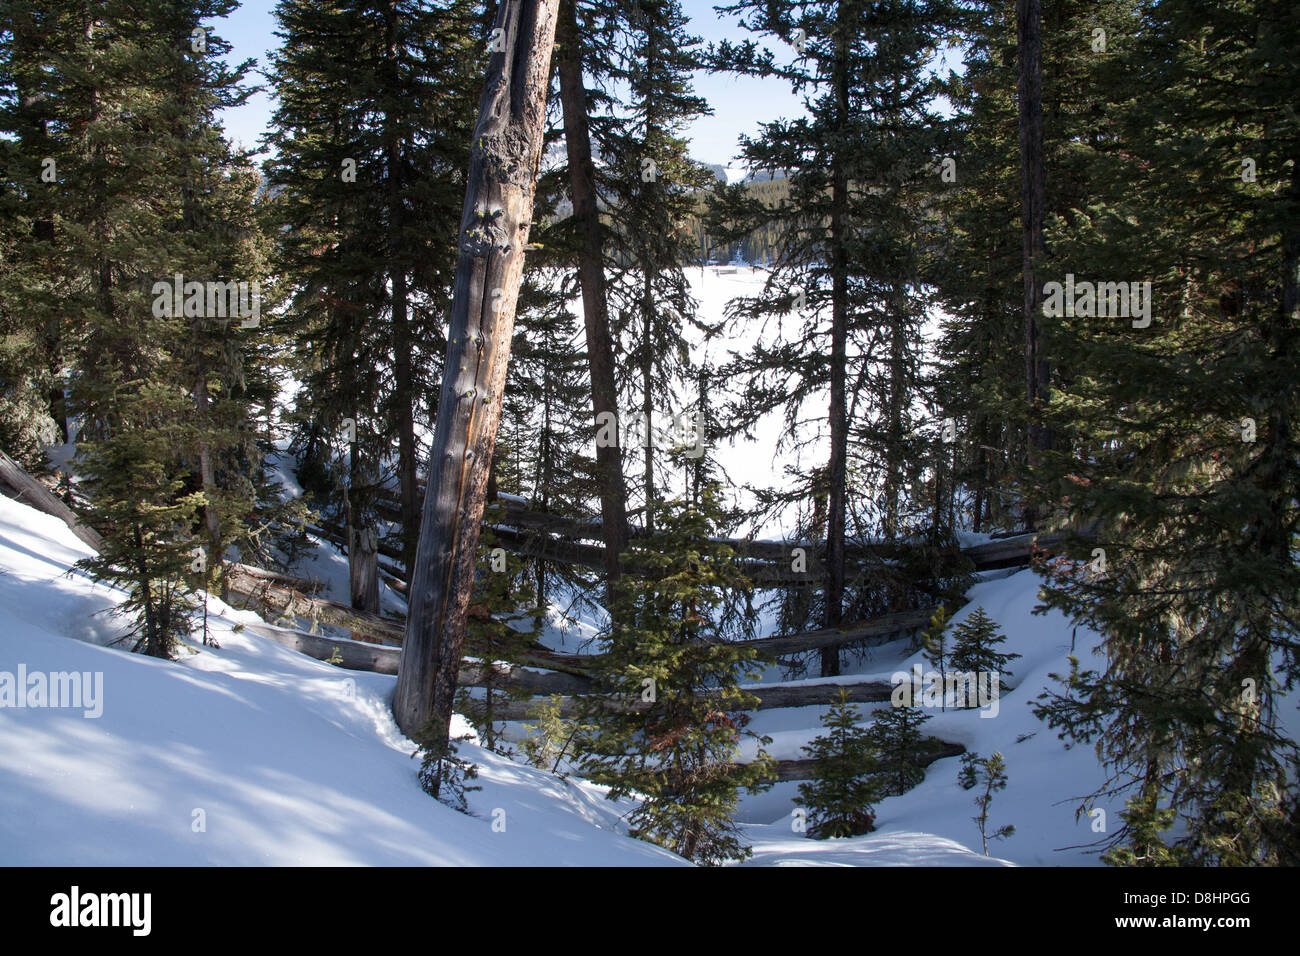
x: 591, y: 277
x: 494, y: 229
x: 1029, y: 36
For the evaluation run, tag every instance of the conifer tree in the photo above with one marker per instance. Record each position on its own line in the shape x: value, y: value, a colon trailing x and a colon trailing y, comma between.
x: 370, y: 149
x: 975, y: 647
x: 896, y: 736
x: 1182, y: 430
x: 137, y: 501
x: 843, y: 788
x: 668, y: 725
x: 990, y: 774
x: 141, y: 188
x: 549, y: 739
x: 501, y: 626
x: 652, y: 185
x: 847, y: 267
x: 1143, y: 841
x: 934, y: 640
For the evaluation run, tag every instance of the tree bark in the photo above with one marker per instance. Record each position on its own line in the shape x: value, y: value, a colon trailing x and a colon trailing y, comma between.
x: 1029, y: 37
x: 494, y: 230
x: 591, y: 278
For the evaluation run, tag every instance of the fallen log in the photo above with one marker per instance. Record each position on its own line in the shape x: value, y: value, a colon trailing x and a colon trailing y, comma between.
x: 378, y: 659
x: 31, y: 492
x: 251, y: 586
x: 803, y: 769
x: 306, y: 585
x: 769, y: 698
x: 877, y: 630
x: 350, y: 655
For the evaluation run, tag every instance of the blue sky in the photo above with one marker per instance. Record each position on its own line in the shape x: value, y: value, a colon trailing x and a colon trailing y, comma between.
x: 739, y: 103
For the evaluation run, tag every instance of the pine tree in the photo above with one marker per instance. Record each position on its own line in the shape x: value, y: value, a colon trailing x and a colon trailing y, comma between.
x: 137, y: 501
x: 142, y: 187
x: 896, y: 736
x: 975, y: 647
x: 652, y: 184
x: 989, y: 772
x: 934, y: 641
x: 549, y: 739
x: 1143, y: 843
x: 443, y: 773
x: 847, y: 266
x: 1180, y: 425
x: 501, y: 627
x: 668, y: 725
x: 370, y: 149
x: 843, y: 788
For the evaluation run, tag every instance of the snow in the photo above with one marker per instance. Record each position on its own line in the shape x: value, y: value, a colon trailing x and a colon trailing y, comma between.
x: 1047, y: 779
x: 293, y: 761
x: 290, y: 760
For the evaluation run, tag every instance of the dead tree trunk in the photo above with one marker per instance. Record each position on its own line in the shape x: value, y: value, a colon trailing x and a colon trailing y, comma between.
x: 1029, y: 39
x: 493, y: 233
x: 591, y: 277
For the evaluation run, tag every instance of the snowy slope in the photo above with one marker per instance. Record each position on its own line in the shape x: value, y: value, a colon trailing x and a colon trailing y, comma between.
x: 1046, y: 779
x: 290, y: 760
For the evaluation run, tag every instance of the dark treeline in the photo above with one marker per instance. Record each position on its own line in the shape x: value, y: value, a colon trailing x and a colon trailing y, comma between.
x: 1058, y: 288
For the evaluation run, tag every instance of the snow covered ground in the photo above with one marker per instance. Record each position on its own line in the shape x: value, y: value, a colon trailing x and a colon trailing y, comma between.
x: 252, y: 753
x: 248, y: 754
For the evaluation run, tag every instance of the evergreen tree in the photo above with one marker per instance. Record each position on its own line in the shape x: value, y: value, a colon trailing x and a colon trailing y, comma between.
x: 990, y: 773
x: 975, y: 647
x: 934, y: 640
x: 668, y: 725
x: 369, y: 150
x: 651, y: 195
x: 137, y: 501
x: 1180, y: 424
x: 550, y: 737
x: 1143, y: 843
x: 501, y: 627
x: 843, y: 788
x: 895, y: 735
x: 443, y: 773
x: 859, y: 166
x: 139, y: 187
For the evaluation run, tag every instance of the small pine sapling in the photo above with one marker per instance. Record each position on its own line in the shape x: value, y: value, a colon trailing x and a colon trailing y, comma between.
x: 1142, y: 841
x: 843, y: 789
x: 897, y: 739
x: 934, y: 642
x: 442, y: 771
x: 549, y: 738
x: 991, y: 774
x: 975, y: 648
